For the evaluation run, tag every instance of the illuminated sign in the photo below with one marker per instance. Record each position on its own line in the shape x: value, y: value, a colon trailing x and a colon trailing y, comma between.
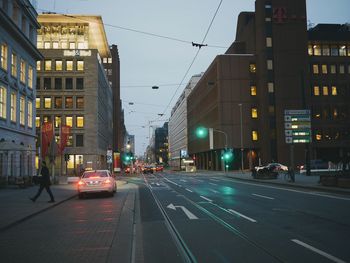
x: 297, y: 126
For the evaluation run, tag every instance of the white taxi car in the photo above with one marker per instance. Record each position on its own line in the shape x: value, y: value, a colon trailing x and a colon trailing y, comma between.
x: 96, y: 181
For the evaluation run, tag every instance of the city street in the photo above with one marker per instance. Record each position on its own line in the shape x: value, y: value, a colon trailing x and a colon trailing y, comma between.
x: 178, y: 217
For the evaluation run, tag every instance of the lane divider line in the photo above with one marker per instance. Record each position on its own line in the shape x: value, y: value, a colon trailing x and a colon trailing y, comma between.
x: 214, y: 191
x: 263, y: 196
x: 189, y: 190
x: 209, y: 200
x: 316, y: 250
x: 241, y: 215
x: 213, y: 184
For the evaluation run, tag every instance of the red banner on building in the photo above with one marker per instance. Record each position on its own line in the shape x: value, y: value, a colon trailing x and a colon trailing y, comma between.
x: 116, y: 163
x: 65, y: 132
x: 46, y: 137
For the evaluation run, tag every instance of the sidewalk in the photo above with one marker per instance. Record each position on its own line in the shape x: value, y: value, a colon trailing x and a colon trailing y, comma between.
x: 15, y: 205
x: 301, y: 181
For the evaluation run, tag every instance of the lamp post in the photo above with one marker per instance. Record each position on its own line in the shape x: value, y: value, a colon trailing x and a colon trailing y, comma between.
x: 241, y: 119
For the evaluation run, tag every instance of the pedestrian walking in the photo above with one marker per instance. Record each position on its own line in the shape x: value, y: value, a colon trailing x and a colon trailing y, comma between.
x: 44, y: 183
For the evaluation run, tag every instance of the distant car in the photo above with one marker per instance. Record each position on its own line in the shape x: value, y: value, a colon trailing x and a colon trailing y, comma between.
x: 97, y: 181
x: 315, y: 165
x: 148, y: 169
x: 159, y: 168
x: 271, y: 167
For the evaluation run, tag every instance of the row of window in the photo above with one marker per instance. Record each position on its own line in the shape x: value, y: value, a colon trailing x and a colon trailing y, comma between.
x: 58, y: 102
x: 59, y: 83
x: 324, y: 90
x: 57, y: 120
x: 330, y: 69
x: 79, y: 140
x: 329, y: 50
x: 24, y: 107
x: 63, y: 44
x: 329, y: 134
x: 60, y: 65
x: 327, y: 112
x: 18, y: 67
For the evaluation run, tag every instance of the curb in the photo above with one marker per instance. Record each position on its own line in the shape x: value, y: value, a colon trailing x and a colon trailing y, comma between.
x: 318, y: 188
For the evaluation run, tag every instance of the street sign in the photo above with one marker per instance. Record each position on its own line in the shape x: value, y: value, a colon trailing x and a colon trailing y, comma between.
x: 109, y: 156
x: 297, y: 126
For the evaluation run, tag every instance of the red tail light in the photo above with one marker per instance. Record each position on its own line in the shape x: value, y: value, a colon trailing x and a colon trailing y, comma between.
x: 107, y: 181
x: 81, y: 183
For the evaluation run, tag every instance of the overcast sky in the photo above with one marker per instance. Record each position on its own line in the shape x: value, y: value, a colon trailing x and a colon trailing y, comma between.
x: 148, y: 60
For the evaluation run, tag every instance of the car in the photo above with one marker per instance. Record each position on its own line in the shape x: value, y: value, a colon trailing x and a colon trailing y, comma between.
x: 270, y: 169
x: 148, y: 169
x: 315, y: 165
x: 159, y: 168
x: 96, y: 181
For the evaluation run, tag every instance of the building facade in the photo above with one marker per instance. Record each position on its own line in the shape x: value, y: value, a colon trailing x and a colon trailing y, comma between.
x: 178, y: 126
x: 73, y: 89
x: 18, y: 55
x: 263, y: 74
x: 161, y: 149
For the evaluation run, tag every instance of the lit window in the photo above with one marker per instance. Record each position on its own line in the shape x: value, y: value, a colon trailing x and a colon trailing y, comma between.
x: 55, y: 45
x: 64, y: 45
x: 37, y: 103
x: 23, y: 71
x: 39, y: 44
x: 269, y: 64
x: 109, y: 60
x: 69, y: 65
x: 254, y: 113
x: 14, y: 65
x: 254, y: 135
x: 80, y: 121
x: 47, y: 45
x: 69, y: 121
x: 268, y: 19
x: 38, y: 65
x: 57, y: 121
x: 80, y: 65
x: 317, y: 50
x: 71, y: 45
x: 3, y: 99
x: 270, y: 87
x: 334, y: 50
x: 4, y: 56
x: 324, y: 69
x: 333, y: 69
x: 325, y: 90
x: 310, y: 50
x: 82, y: 45
x: 13, y: 107
x: 318, y: 136
x: 30, y: 77
x: 46, y: 119
x: 69, y: 102
x: 325, y: 50
x: 58, y: 65
x: 47, y: 103
x: 341, y: 69
x: 252, y: 68
x: 105, y: 60
x: 316, y: 91
x: 30, y: 114
x: 48, y: 65
x: 342, y: 50
x: 70, y: 143
x: 315, y: 69
x: 253, y: 90
x: 21, y: 110
x: 37, y: 122
x: 334, y: 91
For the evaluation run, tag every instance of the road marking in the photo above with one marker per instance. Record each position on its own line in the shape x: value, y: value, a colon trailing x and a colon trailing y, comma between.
x: 215, y: 180
x: 157, y: 184
x: 214, y: 191
x: 171, y: 181
x: 320, y: 252
x: 241, y: 215
x: 263, y: 196
x: 182, y: 180
x: 189, y: 190
x: 213, y: 184
x: 184, y: 209
x: 209, y: 200
x: 290, y: 190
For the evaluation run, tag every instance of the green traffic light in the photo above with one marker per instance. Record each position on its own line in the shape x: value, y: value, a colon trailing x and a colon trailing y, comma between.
x: 201, y: 132
x: 228, y: 155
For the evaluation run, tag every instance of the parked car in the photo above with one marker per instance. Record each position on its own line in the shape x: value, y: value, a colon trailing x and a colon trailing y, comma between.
x: 97, y: 181
x: 159, y: 168
x: 269, y: 170
x: 148, y: 169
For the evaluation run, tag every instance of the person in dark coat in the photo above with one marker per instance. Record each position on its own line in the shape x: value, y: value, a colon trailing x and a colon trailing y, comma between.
x: 44, y: 183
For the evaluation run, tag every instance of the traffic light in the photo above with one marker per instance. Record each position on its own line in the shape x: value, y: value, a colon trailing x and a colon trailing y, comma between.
x: 227, y: 155
x: 201, y: 132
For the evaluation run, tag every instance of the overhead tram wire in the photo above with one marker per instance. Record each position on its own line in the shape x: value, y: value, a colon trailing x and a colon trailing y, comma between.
x: 132, y: 29
x: 195, y: 57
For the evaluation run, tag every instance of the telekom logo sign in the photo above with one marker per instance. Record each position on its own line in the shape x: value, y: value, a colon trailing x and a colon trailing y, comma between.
x: 279, y: 14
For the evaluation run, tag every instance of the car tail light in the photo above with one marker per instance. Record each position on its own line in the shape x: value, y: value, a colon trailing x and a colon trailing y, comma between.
x: 107, y: 181
x: 81, y: 183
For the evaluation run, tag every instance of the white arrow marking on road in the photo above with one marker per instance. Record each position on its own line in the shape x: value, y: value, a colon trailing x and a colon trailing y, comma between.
x: 320, y: 252
x: 241, y: 215
x: 263, y: 196
x: 184, y: 209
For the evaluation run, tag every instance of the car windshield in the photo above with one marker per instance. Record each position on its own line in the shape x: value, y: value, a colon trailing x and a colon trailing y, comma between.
x: 95, y: 174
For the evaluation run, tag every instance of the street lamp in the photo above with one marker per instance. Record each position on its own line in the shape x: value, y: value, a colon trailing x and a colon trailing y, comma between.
x: 240, y: 111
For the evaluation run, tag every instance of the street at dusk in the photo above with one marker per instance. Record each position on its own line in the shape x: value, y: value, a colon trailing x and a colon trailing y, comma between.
x: 197, y: 131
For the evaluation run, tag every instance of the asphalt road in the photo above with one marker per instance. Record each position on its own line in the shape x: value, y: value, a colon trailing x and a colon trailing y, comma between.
x: 217, y: 219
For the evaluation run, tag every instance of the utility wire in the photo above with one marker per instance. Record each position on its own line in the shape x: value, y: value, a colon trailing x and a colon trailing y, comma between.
x: 132, y: 30
x: 195, y: 57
